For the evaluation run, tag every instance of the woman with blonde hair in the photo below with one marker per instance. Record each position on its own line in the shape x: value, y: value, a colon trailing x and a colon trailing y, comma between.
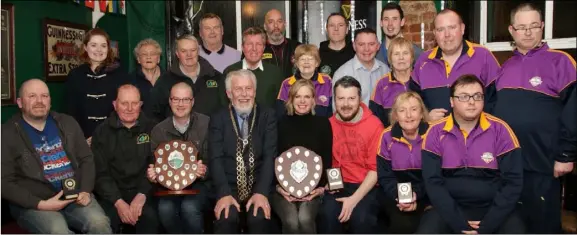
x: 299, y: 127
x: 307, y: 60
x: 92, y: 86
x: 400, y: 56
x: 399, y: 161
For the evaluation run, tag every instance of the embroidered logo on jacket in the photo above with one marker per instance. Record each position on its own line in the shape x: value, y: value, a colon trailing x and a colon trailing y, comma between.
x: 211, y: 84
x: 267, y: 56
x: 535, y: 81
x: 326, y: 69
x: 487, y: 157
x: 143, y: 138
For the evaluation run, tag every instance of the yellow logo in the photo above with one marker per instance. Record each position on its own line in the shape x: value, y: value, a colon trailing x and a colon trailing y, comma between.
x: 346, y: 11
x: 267, y: 56
x: 143, y: 138
x: 211, y: 84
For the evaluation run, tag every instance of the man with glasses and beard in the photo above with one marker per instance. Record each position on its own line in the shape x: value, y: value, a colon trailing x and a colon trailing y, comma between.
x: 533, y: 95
x: 356, y: 136
x: 242, y: 149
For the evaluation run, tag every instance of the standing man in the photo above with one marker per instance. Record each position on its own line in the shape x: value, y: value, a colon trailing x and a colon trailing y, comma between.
x: 121, y: 147
x: 472, y: 168
x: 206, y: 82
x: 269, y: 76
x: 392, y: 21
x: 364, y: 67
x: 219, y: 55
x: 356, y: 138
x: 279, y: 49
x: 533, y: 91
x: 337, y: 50
x: 242, y: 149
x: 40, y: 150
x: 435, y: 70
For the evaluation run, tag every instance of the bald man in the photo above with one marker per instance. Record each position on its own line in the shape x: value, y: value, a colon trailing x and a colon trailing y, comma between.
x: 279, y: 50
x: 41, y: 150
x: 121, y: 147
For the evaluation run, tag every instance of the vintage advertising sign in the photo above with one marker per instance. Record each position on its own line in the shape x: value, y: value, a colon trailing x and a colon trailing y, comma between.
x: 62, y: 43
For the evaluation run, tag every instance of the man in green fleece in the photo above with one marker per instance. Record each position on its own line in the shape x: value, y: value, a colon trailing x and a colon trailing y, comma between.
x: 269, y: 77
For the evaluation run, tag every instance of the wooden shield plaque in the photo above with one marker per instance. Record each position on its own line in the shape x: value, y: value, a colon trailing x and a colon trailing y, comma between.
x: 176, y: 164
x: 298, y: 171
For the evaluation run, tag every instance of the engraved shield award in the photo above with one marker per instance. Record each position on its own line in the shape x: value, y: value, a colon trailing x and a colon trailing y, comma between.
x: 298, y: 171
x: 176, y: 163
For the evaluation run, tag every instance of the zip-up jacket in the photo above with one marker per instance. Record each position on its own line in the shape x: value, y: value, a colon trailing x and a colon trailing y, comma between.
x: 384, y: 95
x: 23, y: 181
x: 284, y: 60
x: 480, y: 169
x: 534, y: 96
x: 208, y: 90
x: 121, y: 156
x: 399, y: 161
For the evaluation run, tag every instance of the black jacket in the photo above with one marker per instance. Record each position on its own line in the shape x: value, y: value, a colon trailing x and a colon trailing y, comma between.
x: 222, y: 147
x: 209, y: 90
x: 197, y: 133
x: 144, y: 86
x: 23, y: 181
x: 89, y: 95
x: 287, y: 55
x: 121, y: 156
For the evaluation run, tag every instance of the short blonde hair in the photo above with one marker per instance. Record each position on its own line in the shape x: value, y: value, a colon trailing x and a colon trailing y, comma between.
x: 400, y: 42
x: 404, y: 97
x: 293, y: 92
x: 307, y: 49
x: 146, y: 42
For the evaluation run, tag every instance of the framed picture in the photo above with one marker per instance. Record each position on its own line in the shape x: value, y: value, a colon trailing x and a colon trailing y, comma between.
x: 8, y: 70
x: 62, y: 42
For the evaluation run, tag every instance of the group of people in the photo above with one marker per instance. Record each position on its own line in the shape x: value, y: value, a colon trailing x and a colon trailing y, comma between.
x: 483, y: 145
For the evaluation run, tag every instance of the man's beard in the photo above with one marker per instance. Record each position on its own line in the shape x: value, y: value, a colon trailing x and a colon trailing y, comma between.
x: 243, y: 111
x: 348, y: 119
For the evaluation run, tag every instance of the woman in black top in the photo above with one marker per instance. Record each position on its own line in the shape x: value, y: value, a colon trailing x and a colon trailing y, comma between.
x: 147, y: 72
x: 91, y: 87
x: 300, y: 127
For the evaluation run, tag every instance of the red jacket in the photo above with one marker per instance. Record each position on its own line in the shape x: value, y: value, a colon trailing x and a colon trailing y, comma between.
x: 355, y: 145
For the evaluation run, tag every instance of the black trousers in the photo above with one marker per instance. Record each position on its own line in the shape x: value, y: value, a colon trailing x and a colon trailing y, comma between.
x: 238, y: 220
x: 401, y: 222
x: 541, y: 203
x: 148, y: 220
x: 432, y: 223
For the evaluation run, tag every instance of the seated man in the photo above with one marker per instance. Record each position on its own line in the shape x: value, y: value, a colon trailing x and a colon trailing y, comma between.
x: 121, y: 147
x: 472, y: 167
x: 40, y: 149
x: 183, y: 213
x: 356, y: 136
x: 242, y: 146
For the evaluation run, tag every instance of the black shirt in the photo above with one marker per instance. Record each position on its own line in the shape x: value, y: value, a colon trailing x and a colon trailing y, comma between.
x: 331, y: 60
x: 309, y: 131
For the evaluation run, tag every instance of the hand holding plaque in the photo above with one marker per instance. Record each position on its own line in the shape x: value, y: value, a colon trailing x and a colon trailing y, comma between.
x: 298, y: 171
x: 176, y: 166
x: 405, y: 192
x: 70, y: 189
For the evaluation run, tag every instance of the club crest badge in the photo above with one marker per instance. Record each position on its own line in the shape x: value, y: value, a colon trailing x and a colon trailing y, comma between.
x: 487, y: 157
x: 326, y: 69
x: 323, y: 98
x: 535, y: 81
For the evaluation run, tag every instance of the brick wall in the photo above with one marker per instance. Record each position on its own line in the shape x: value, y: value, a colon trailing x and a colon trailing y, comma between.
x: 417, y: 12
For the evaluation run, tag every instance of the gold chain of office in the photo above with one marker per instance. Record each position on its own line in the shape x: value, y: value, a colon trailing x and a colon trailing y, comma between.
x: 244, y: 187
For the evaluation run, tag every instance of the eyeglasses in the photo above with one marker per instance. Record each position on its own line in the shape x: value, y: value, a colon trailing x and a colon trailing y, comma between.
x: 175, y: 100
x: 466, y: 98
x: 533, y: 29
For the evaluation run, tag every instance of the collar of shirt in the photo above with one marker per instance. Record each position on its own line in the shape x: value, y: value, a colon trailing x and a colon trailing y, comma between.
x: 542, y: 46
x: 180, y: 128
x: 208, y: 52
x: 468, y: 49
x: 197, y: 71
x: 245, y: 65
x: 358, y: 65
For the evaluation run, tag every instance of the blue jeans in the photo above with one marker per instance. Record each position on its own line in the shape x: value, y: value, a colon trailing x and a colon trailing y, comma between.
x: 182, y: 214
x: 86, y: 219
x: 363, y: 218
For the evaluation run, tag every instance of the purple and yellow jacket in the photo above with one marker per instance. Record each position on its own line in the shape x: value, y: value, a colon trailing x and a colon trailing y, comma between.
x: 383, y: 97
x: 480, y: 169
x: 399, y: 161
x: 323, y: 90
x: 533, y: 91
x: 432, y: 76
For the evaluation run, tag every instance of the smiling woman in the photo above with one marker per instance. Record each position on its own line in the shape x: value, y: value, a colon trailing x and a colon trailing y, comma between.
x: 91, y: 87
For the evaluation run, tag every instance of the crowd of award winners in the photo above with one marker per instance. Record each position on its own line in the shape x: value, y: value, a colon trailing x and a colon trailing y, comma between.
x: 482, y: 144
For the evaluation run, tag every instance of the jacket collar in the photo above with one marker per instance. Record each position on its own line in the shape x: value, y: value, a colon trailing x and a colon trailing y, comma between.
x: 318, y: 77
x: 208, y: 52
x: 450, y: 123
x: 468, y: 49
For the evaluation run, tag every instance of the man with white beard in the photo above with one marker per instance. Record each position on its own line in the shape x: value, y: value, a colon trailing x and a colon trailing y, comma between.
x: 242, y: 147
